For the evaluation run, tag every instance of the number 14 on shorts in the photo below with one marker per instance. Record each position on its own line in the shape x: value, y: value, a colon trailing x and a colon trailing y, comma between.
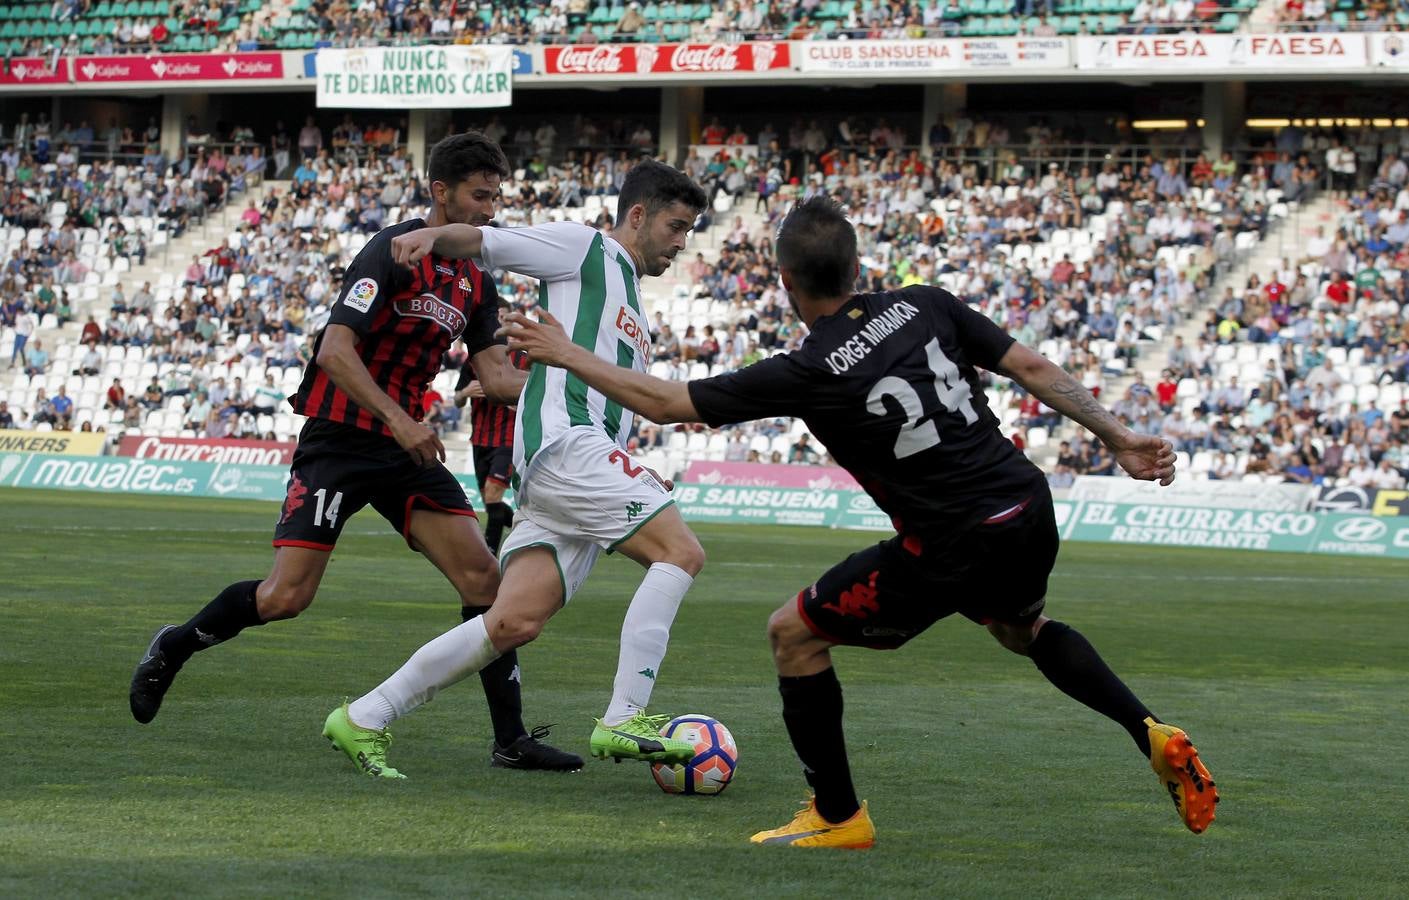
x: 330, y: 510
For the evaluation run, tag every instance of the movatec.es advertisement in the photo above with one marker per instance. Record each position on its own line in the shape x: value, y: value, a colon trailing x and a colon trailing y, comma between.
x: 1142, y: 524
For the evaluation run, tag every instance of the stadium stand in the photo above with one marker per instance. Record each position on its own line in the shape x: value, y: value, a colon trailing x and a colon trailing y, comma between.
x: 196, y: 313
x: 111, y: 27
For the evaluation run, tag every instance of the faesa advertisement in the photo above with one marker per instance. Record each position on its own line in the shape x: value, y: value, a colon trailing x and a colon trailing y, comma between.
x: 1221, y: 52
x: 430, y: 77
x: 1375, y: 501
x: 1389, y: 50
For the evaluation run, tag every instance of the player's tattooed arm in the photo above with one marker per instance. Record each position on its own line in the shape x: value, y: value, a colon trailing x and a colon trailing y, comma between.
x: 546, y: 342
x: 1143, y: 456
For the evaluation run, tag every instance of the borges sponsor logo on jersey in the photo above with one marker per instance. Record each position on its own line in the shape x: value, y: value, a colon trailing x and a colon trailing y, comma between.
x: 633, y: 330
x: 430, y: 307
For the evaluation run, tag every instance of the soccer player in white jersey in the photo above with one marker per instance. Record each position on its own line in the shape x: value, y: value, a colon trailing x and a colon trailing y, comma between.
x: 579, y: 492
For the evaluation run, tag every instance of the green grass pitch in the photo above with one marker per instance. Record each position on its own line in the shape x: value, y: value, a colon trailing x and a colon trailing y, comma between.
x: 1290, y: 672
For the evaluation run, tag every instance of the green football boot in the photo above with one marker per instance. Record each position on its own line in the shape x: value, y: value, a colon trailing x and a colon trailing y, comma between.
x: 639, y: 738
x: 364, y: 746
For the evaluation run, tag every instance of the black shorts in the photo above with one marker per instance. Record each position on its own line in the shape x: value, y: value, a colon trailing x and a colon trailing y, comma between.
x: 884, y: 595
x: 493, y: 464
x: 338, y: 469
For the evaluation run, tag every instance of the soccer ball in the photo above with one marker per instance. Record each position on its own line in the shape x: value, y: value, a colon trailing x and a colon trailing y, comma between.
x: 716, y: 756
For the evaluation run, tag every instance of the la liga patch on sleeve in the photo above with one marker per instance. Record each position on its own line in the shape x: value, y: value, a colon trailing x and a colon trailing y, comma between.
x: 361, y: 294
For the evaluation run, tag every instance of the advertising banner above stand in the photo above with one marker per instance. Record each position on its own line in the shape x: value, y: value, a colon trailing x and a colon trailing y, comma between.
x: 175, y: 68
x: 1226, y: 54
x: 432, y: 77
x: 644, y: 59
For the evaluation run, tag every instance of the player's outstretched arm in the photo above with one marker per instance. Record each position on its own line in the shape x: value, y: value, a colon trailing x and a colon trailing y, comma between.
x: 499, y: 380
x: 1144, y: 456
x: 337, y: 356
x: 454, y: 241
x: 546, y: 342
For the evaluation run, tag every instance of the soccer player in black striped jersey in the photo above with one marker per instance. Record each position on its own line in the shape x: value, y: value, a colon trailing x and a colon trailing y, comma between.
x: 492, y: 445
x: 364, y: 443
x: 888, y: 382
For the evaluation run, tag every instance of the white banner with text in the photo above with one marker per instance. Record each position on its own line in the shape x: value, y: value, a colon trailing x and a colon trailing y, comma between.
x: 433, y: 77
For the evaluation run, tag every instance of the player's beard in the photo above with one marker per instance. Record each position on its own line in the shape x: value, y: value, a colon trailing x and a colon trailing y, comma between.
x: 659, y: 260
x: 797, y: 311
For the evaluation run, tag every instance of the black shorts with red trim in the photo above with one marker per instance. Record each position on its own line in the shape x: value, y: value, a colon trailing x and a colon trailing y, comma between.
x: 885, y: 595
x: 338, y: 469
x: 493, y: 464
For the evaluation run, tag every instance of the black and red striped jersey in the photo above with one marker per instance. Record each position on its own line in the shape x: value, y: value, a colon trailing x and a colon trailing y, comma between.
x: 405, y: 321
x: 492, y: 424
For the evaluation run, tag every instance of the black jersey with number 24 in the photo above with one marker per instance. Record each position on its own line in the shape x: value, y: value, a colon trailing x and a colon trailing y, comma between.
x: 888, y: 385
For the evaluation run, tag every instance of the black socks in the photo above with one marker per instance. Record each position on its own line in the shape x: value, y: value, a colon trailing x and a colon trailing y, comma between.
x: 1073, y: 665
x: 499, y: 517
x: 812, y: 710
x: 232, y: 611
x: 501, y: 687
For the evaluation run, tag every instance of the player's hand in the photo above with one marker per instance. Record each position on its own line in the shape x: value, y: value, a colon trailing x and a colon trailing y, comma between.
x: 474, y: 390
x: 421, y: 443
x: 544, y: 341
x: 1146, y: 458
x: 410, y: 248
x: 669, y: 485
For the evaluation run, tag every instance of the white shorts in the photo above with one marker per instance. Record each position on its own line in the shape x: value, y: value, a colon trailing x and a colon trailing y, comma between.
x: 582, y: 494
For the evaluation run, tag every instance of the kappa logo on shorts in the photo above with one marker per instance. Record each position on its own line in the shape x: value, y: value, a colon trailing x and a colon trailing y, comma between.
x: 294, y: 499
x: 633, y: 509
x: 858, y: 601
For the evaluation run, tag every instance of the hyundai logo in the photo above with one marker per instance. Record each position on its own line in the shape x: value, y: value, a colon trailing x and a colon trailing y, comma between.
x: 1358, y: 531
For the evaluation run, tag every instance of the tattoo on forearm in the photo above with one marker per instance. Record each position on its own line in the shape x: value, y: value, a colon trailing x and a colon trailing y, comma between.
x: 1081, y: 405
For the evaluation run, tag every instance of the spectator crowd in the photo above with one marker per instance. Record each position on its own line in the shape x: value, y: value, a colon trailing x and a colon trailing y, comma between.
x: 1095, y: 265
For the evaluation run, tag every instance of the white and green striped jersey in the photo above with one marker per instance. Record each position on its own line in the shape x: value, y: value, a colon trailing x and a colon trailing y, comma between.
x: 589, y: 283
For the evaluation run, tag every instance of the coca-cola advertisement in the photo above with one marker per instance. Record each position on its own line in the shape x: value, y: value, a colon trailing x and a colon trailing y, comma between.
x: 644, y: 59
x: 251, y: 453
x: 178, y: 67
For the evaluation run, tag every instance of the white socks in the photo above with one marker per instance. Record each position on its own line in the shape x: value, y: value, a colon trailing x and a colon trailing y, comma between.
x: 644, y: 635
x: 438, y: 664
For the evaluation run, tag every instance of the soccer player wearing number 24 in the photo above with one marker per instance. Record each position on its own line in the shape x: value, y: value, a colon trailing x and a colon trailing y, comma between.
x: 887, y: 382
x: 364, y: 443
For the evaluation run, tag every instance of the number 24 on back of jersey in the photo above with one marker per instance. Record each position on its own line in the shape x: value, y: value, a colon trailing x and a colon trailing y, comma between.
x: 920, y: 430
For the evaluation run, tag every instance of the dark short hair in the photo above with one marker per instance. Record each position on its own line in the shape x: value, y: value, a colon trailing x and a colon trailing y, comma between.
x: 459, y: 156
x: 817, y: 245
x: 655, y: 186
